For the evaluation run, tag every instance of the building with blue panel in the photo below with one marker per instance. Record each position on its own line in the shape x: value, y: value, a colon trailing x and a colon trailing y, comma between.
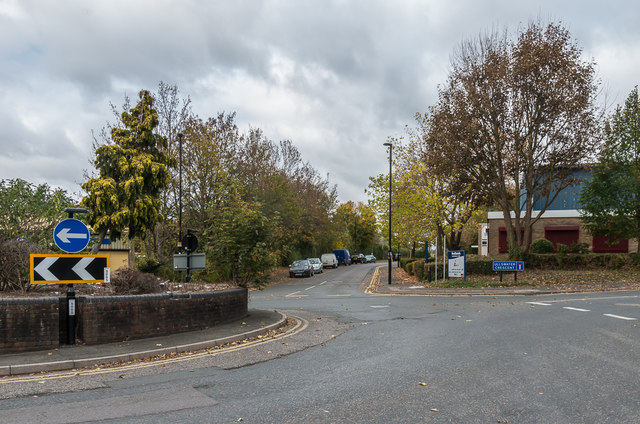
x: 560, y: 223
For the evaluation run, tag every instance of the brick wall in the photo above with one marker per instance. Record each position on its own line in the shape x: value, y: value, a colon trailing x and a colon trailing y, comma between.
x: 118, y: 318
x: 538, y: 232
x: 40, y: 323
x: 29, y: 324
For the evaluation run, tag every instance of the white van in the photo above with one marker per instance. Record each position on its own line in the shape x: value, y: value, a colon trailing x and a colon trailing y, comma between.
x: 329, y: 260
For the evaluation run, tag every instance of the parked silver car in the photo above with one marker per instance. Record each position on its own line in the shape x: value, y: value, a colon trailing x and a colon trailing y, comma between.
x: 316, y: 263
x: 301, y: 268
x: 370, y: 258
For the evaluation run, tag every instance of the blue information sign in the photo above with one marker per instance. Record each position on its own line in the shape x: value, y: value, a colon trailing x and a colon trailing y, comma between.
x: 71, y: 235
x: 457, y: 261
x: 508, y: 266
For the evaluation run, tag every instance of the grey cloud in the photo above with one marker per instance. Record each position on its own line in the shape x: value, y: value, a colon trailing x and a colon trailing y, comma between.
x: 352, y: 73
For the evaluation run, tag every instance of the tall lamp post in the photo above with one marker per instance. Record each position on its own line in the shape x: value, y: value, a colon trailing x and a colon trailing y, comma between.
x: 180, y: 192
x: 389, y: 254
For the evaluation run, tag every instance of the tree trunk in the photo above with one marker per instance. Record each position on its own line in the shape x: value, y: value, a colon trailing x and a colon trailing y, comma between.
x: 96, y: 247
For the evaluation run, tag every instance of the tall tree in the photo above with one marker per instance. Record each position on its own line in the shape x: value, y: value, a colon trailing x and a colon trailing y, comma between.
x: 611, y: 199
x: 132, y: 173
x: 357, y: 224
x: 31, y: 212
x: 238, y: 245
x: 173, y: 113
x: 209, y: 153
x: 514, y: 119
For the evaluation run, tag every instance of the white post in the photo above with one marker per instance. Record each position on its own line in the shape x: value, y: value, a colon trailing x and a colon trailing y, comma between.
x: 444, y: 257
x: 436, y: 265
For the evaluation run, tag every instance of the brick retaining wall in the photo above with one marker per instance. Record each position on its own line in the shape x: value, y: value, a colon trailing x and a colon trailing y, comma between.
x: 29, y: 324
x: 40, y: 323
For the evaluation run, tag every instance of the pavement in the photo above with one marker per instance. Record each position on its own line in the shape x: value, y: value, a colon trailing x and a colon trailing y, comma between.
x: 68, y: 357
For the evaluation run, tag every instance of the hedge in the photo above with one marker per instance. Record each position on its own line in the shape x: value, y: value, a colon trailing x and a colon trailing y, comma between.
x: 556, y: 261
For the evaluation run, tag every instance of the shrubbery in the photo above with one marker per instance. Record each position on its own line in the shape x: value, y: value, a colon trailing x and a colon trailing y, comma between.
x: 480, y: 266
x: 132, y: 281
x: 14, y: 263
x: 563, y: 260
x: 541, y: 245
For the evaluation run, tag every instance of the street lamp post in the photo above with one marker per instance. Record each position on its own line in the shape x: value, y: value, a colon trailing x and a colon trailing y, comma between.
x: 389, y: 254
x: 180, y: 191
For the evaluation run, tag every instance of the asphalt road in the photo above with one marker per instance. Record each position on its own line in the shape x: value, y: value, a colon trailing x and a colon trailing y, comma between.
x: 359, y: 358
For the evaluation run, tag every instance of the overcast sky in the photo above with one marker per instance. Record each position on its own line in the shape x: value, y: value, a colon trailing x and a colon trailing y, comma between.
x: 337, y: 78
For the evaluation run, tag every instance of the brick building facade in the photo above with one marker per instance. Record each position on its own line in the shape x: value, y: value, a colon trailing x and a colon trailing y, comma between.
x: 560, y: 223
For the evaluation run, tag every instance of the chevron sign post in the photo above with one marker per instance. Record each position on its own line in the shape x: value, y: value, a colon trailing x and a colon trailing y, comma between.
x: 69, y: 269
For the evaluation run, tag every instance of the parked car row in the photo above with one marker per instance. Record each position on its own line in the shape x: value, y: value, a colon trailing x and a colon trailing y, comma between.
x: 311, y: 266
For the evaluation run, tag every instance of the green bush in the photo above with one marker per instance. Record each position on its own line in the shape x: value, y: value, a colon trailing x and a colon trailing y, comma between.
x: 634, y: 259
x: 419, y: 269
x: 563, y: 249
x: 541, y: 261
x: 409, y: 267
x: 405, y: 261
x: 515, y: 253
x: 148, y: 265
x: 541, y: 246
x: 480, y: 266
x: 581, y: 261
x: 579, y: 248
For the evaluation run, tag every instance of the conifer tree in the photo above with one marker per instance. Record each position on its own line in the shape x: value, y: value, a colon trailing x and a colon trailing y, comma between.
x: 132, y: 173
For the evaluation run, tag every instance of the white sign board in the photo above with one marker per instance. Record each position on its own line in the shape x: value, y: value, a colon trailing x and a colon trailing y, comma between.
x: 457, y: 263
x: 196, y: 261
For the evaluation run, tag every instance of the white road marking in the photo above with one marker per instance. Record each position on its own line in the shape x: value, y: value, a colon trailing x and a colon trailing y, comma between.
x: 417, y: 287
x: 379, y: 306
x: 322, y: 282
x: 637, y: 305
x: 309, y: 288
x: 296, y: 294
x: 575, y: 309
x: 582, y: 299
x: 539, y: 303
x: 619, y: 317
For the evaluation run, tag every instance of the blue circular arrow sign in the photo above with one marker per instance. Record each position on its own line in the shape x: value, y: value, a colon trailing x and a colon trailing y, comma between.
x: 71, y: 235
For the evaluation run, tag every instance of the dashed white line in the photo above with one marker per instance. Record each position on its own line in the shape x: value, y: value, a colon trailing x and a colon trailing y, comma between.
x: 379, y: 306
x: 620, y: 317
x: 589, y: 299
x: 576, y: 309
x: 539, y: 303
x: 322, y: 283
x: 309, y: 288
x: 296, y: 294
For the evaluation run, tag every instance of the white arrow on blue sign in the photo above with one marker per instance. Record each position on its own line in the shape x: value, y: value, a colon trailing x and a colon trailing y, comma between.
x: 71, y: 235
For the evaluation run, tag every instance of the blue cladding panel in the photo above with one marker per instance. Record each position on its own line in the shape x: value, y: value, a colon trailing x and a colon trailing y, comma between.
x: 569, y: 198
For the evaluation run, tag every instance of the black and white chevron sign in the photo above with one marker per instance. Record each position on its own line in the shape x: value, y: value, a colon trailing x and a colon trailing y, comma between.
x: 69, y: 269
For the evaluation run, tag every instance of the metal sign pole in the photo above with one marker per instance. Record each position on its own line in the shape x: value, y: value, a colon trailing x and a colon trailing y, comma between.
x: 71, y: 294
x: 71, y: 315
